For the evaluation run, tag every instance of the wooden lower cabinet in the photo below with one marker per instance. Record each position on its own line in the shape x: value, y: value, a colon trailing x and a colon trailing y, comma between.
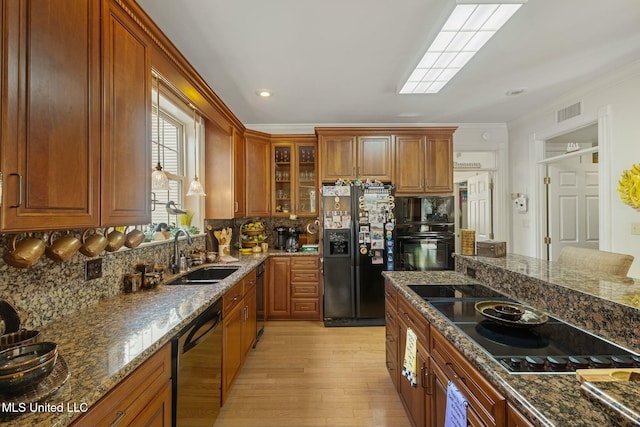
x: 278, y: 288
x: 293, y: 288
x: 238, y: 329
x: 438, y: 362
x: 486, y: 405
x: 141, y: 399
x: 515, y: 418
x: 417, y: 400
x: 391, y: 332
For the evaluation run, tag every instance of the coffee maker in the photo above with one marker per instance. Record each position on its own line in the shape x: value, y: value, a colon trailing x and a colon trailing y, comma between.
x: 281, y: 238
x: 293, y: 243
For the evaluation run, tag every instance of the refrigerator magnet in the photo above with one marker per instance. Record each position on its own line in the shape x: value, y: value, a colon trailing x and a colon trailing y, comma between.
x: 389, y: 226
x: 363, y: 250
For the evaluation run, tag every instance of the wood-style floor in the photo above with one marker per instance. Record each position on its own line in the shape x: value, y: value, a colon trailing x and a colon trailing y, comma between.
x: 305, y: 375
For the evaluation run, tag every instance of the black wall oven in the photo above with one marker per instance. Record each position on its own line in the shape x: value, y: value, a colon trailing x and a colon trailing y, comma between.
x: 425, y: 251
x: 425, y: 234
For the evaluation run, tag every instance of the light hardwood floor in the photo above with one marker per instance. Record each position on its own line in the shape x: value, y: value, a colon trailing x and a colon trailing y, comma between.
x: 305, y: 375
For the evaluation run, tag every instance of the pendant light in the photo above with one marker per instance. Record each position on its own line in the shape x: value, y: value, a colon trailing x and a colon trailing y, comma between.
x: 195, y: 188
x: 159, y: 179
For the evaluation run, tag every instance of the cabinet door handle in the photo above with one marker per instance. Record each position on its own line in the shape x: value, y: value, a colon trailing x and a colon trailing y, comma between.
x: 19, y: 190
x: 235, y: 206
x: 425, y: 380
x: 120, y: 415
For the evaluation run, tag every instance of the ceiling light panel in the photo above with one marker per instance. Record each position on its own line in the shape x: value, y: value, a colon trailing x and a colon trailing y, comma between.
x: 467, y: 29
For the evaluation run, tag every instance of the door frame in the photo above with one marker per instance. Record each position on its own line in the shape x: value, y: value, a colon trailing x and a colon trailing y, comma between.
x: 537, y: 143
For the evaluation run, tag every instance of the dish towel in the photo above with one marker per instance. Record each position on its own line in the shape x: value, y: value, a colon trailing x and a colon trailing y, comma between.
x: 456, y: 409
x: 409, y: 365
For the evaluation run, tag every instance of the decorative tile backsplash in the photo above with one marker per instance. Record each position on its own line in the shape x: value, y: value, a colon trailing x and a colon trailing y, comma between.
x: 49, y: 290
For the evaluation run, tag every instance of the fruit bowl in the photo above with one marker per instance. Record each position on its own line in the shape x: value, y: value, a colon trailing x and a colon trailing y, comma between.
x: 253, y: 232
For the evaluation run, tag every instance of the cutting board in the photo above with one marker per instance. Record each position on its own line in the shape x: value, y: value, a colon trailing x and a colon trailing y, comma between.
x: 595, y: 375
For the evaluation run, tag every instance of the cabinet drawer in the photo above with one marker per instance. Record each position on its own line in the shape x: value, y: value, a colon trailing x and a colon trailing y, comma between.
x: 128, y: 399
x: 232, y: 298
x: 304, y: 290
x: 488, y: 404
x: 390, y: 294
x: 305, y: 307
x: 390, y: 318
x: 305, y: 263
x: 413, y: 319
x: 249, y: 282
x: 305, y: 276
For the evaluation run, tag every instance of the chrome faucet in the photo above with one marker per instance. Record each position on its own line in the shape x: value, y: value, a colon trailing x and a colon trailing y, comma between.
x: 175, y: 261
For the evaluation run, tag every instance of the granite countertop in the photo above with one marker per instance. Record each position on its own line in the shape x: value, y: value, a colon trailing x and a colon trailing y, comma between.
x: 547, y: 400
x: 104, y: 342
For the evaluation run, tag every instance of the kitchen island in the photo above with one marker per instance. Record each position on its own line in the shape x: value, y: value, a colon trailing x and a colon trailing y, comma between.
x: 545, y: 400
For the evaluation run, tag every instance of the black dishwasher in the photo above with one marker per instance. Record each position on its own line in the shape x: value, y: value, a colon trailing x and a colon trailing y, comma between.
x: 197, y: 370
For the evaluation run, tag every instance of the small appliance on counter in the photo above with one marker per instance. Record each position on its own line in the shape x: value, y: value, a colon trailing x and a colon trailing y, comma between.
x: 280, y: 237
x: 293, y: 242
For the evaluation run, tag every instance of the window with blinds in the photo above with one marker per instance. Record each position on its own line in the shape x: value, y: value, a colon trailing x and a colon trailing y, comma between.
x: 171, y: 142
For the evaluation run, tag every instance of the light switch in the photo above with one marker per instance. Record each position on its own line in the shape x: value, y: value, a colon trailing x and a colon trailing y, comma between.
x: 635, y: 228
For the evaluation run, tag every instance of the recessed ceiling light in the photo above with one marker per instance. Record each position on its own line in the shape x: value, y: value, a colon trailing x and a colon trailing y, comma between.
x: 264, y: 93
x: 516, y: 91
x: 471, y: 24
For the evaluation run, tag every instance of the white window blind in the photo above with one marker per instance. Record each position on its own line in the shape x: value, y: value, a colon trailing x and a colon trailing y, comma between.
x: 171, y: 141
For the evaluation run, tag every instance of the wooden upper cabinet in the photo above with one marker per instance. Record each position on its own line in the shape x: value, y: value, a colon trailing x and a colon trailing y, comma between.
x: 350, y: 153
x: 439, y: 162
x: 220, y: 171
x: 294, y: 175
x: 50, y: 160
x: 257, y: 166
x: 375, y: 157
x: 337, y: 156
x: 409, y: 171
x: 424, y: 161
x: 239, y: 176
x: 126, y: 150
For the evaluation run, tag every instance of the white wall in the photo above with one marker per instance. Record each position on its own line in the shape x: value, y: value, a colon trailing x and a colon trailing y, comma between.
x: 618, y: 94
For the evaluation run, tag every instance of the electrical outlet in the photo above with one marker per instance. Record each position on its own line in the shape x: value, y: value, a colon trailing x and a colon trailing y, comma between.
x: 635, y: 228
x: 93, y: 269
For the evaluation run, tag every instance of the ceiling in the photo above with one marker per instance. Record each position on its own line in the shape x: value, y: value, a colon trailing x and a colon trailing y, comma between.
x: 343, y: 61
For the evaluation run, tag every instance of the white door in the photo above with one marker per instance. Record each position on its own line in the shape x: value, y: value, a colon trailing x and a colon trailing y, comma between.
x: 573, y: 204
x: 479, y: 205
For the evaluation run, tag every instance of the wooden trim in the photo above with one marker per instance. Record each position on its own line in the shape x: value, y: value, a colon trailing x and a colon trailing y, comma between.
x: 170, y: 52
x: 365, y: 131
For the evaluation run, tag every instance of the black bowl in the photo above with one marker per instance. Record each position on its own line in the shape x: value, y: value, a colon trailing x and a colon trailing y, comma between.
x: 508, y: 311
x: 19, y: 359
x: 20, y: 337
x: 17, y: 381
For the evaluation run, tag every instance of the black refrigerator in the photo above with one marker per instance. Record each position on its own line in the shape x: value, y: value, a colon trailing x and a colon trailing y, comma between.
x: 358, y: 235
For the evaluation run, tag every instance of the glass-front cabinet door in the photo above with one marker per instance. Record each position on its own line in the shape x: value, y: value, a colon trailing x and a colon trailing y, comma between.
x: 294, y: 176
x: 282, y: 177
x: 306, y: 194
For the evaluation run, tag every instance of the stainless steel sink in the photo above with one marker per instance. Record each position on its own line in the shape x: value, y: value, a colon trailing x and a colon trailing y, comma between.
x: 205, y: 276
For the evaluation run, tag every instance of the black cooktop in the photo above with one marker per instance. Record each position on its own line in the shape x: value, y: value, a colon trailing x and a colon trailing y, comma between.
x: 555, y: 347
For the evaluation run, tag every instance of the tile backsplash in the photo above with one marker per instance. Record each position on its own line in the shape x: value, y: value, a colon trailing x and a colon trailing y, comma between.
x: 50, y: 290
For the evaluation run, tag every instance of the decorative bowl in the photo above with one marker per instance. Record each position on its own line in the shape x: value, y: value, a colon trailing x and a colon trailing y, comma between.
x: 508, y: 311
x: 20, y: 359
x: 21, y: 337
x: 255, y: 232
x: 17, y: 381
